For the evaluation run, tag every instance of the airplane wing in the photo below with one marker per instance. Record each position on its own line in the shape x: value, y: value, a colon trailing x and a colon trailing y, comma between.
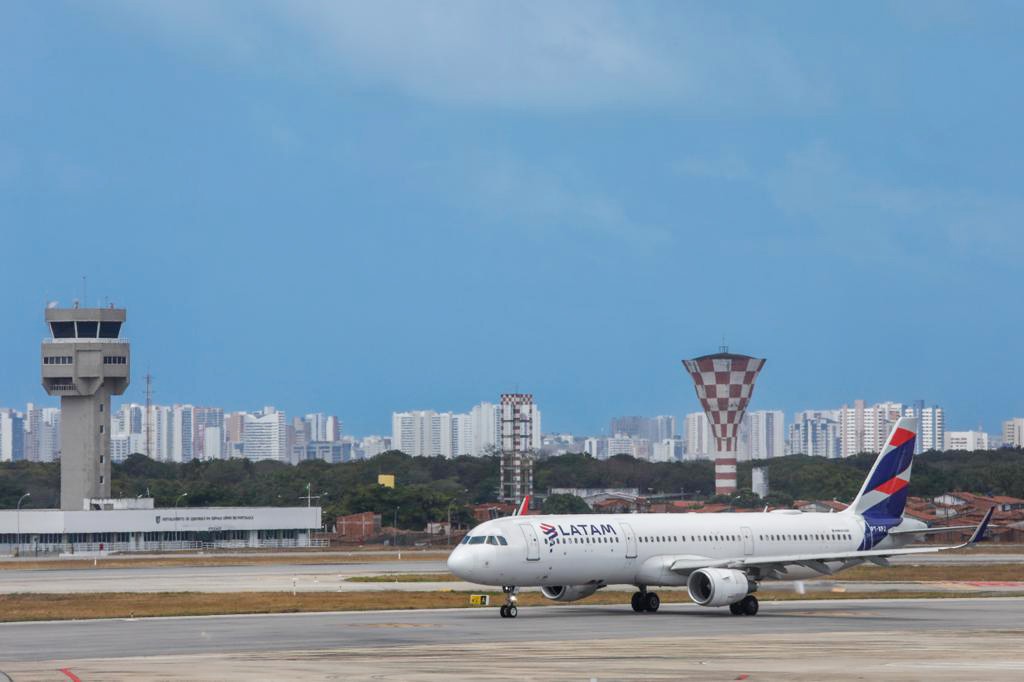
x: 934, y: 529
x: 775, y: 566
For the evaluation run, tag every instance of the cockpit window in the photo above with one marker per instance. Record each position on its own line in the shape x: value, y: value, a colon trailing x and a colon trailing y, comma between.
x: 502, y: 540
x: 491, y: 540
x: 477, y: 540
x: 464, y: 540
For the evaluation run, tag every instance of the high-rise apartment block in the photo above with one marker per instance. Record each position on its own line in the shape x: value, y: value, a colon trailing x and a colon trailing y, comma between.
x: 767, y: 434
x: 12, y: 436
x: 864, y: 429
x: 815, y: 432
x: 653, y: 429
x: 699, y: 441
x: 1013, y: 433
x: 426, y: 433
x: 265, y: 436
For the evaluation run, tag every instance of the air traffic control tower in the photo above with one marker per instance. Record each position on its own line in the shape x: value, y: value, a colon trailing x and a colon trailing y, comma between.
x: 85, y: 362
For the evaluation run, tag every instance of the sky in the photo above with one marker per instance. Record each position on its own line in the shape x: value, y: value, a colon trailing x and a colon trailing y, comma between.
x: 357, y: 208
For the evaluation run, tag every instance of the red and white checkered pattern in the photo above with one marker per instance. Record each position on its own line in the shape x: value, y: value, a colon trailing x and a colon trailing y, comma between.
x: 724, y: 384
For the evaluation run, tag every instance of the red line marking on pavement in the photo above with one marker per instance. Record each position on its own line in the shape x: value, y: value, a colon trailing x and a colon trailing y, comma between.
x: 71, y: 675
x: 743, y: 676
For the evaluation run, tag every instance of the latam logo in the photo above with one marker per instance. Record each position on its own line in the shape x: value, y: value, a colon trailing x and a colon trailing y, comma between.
x: 582, y: 529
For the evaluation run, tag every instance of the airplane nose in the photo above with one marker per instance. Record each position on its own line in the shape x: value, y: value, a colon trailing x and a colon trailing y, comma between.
x: 461, y: 563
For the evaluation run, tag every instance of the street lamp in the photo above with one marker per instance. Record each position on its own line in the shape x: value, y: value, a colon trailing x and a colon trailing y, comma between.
x: 176, y: 501
x: 450, y: 522
x: 22, y: 499
x: 394, y: 526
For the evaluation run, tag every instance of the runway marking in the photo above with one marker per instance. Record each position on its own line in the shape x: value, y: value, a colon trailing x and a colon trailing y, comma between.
x: 831, y: 613
x: 392, y: 625
x: 71, y: 675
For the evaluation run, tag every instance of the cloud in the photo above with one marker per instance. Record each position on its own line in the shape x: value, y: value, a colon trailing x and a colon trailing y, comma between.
x: 853, y: 214
x: 530, y: 55
x: 535, y: 198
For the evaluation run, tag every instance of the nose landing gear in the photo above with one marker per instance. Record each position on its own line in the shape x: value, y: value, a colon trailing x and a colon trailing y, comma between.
x: 509, y: 609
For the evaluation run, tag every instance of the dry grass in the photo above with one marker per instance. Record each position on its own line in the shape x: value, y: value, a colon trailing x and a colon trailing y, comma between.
x: 215, y: 560
x: 406, y: 578
x: 26, y: 607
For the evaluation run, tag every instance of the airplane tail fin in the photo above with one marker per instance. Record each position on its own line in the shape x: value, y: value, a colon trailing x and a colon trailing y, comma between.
x: 884, y: 494
x: 523, y: 507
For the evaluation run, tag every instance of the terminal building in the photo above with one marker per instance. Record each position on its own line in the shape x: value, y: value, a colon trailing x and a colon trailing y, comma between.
x: 85, y: 361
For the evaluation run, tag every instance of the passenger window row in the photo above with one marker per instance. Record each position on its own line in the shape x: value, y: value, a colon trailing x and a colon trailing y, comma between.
x: 797, y: 537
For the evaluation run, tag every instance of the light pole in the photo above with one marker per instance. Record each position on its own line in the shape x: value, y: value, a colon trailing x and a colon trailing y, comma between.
x: 176, y: 501
x: 22, y: 499
x: 394, y: 526
x: 450, y: 522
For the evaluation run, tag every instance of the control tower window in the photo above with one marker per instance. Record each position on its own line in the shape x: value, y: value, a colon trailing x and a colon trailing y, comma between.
x: 63, y: 330
x: 109, y: 330
x: 87, y: 330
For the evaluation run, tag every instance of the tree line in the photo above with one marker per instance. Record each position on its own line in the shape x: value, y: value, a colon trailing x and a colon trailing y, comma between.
x: 429, y: 488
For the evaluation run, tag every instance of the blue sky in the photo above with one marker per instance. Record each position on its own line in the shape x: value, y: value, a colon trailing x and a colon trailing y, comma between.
x: 361, y: 207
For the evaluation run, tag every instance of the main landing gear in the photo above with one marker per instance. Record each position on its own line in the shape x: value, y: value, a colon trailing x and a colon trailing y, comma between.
x: 747, y: 606
x: 645, y: 601
x: 508, y: 609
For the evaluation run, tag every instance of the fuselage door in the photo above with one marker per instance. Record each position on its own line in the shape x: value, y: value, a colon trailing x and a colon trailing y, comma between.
x: 532, y: 543
x: 748, y: 541
x: 627, y: 530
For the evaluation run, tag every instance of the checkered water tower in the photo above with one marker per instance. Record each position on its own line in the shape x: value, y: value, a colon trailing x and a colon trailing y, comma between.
x: 724, y: 383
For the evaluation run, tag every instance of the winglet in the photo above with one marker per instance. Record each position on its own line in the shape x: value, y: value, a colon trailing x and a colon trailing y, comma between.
x: 979, y: 532
x: 523, y: 507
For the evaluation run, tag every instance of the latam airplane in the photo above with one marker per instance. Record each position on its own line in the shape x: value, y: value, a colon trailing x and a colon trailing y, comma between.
x: 720, y: 558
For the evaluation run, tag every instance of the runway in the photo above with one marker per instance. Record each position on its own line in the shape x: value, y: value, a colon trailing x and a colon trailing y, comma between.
x: 602, y: 642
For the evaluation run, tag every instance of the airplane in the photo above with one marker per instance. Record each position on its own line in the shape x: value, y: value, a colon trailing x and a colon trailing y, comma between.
x: 720, y: 558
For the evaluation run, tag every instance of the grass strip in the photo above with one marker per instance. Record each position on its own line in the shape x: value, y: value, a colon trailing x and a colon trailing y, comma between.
x: 29, y: 607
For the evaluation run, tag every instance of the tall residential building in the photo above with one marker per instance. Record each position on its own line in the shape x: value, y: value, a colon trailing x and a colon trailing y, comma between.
x: 654, y: 429
x: 182, y: 433
x: 374, y: 445
x: 864, y: 429
x: 266, y: 436
x: 12, y: 436
x: 767, y: 436
x: 967, y: 440
x: 700, y: 443
x: 1013, y: 433
x: 485, y: 419
x: 815, y: 432
x: 42, y: 433
x: 930, y: 426
x: 667, y: 450
x: 209, y: 432
x: 418, y: 433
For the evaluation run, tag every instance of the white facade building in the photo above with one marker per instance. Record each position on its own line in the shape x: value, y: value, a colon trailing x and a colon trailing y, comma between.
x: 182, y: 433
x: 700, y: 442
x: 767, y: 435
x: 12, y: 435
x: 266, y: 436
x: 815, y: 432
x: 426, y: 433
x: 864, y: 429
x: 967, y: 440
x: 1013, y: 433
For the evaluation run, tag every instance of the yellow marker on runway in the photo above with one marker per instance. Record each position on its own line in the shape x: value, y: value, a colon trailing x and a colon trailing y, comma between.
x: 480, y: 599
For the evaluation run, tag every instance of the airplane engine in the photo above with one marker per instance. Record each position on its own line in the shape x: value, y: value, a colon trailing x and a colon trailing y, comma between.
x: 568, y: 592
x: 719, y: 586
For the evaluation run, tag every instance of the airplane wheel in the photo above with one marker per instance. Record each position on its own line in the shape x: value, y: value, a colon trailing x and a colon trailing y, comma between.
x: 504, y: 610
x: 736, y: 609
x: 749, y: 605
x: 637, y: 602
x: 653, y: 602
x: 512, y: 611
